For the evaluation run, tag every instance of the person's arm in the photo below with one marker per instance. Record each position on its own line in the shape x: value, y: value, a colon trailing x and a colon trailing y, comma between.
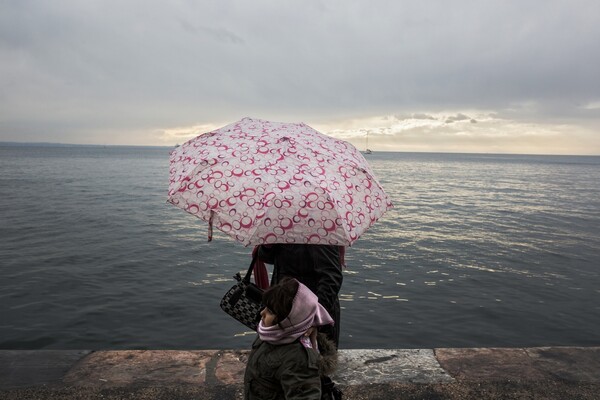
x: 329, y: 270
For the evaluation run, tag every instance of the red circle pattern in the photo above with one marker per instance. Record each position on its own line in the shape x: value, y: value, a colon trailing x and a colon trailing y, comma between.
x: 272, y: 182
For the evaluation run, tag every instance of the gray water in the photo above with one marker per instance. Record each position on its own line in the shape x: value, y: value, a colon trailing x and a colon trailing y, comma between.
x: 479, y: 250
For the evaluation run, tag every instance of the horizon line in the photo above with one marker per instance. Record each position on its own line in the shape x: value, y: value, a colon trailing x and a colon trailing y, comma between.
x: 60, y: 144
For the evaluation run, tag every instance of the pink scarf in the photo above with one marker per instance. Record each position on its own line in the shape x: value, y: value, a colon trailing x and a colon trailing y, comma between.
x: 306, y: 312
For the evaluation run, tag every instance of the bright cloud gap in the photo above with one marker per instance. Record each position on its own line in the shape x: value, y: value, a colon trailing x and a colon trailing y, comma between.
x: 473, y: 131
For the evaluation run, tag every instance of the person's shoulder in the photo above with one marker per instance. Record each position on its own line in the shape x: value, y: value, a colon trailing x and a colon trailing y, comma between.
x: 295, y: 352
x: 257, y: 342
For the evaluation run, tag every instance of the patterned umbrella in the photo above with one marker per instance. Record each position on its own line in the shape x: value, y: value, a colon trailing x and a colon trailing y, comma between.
x: 272, y: 182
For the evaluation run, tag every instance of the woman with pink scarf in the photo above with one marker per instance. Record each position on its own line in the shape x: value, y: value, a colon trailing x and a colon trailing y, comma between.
x: 288, y: 359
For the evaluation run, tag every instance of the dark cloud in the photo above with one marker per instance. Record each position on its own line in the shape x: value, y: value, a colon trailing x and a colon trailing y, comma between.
x: 457, y: 117
x: 76, y: 66
x: 423, y: 116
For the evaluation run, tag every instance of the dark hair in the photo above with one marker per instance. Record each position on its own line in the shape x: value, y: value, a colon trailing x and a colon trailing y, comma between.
x: 280, y: 298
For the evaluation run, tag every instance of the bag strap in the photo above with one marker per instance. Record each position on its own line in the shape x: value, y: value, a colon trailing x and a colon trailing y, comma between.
x: 246, y: 278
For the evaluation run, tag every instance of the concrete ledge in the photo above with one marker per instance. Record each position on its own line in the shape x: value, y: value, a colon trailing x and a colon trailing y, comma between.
x: 383, y: 366
x: 558, y: 372
x: 574, y: 364
x: 141, y: 368
x: 22, y: 368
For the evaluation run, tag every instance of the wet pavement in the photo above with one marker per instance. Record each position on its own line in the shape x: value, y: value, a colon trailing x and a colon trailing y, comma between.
x: 480, y: 373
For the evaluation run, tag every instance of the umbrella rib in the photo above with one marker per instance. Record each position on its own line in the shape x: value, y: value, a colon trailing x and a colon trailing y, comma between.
x: 339, y: 215
x: 190, y: 174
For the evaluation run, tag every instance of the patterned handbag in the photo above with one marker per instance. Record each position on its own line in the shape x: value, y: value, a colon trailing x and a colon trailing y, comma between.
x: 244, y: 300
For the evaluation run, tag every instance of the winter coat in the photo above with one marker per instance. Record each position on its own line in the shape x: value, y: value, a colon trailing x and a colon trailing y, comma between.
x: 288, y: 371
x: 316, y: 266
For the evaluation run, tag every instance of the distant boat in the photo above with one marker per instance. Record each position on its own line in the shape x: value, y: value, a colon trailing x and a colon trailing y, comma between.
x: 368, y: 150
x: 177, y: 145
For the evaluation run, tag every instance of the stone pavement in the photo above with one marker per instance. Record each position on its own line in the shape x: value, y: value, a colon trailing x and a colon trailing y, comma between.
x: 494, y: 373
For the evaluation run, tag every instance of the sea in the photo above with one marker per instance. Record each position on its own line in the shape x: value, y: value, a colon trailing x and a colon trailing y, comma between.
x: 480, y: 250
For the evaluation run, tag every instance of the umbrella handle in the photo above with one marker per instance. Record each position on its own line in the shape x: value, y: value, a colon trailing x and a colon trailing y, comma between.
x: 210, y: 225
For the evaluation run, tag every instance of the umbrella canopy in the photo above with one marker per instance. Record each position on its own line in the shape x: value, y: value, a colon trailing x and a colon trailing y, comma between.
x: 272, y: 182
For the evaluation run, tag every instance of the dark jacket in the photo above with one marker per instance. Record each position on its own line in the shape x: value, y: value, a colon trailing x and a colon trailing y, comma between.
x: 288, y: 371
x: 316, y: 266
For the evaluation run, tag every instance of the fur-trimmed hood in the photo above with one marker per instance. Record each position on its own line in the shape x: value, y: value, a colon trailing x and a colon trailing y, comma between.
x: 328, y: 359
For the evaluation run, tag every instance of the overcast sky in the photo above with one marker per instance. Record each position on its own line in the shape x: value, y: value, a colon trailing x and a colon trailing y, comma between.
x: 459, y: 76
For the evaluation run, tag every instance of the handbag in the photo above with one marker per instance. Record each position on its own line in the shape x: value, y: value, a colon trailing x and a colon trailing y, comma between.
x: 244, y: 300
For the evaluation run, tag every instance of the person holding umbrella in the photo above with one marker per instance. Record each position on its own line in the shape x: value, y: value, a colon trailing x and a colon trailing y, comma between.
x: 297, y: 193
x: 319, y: 267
